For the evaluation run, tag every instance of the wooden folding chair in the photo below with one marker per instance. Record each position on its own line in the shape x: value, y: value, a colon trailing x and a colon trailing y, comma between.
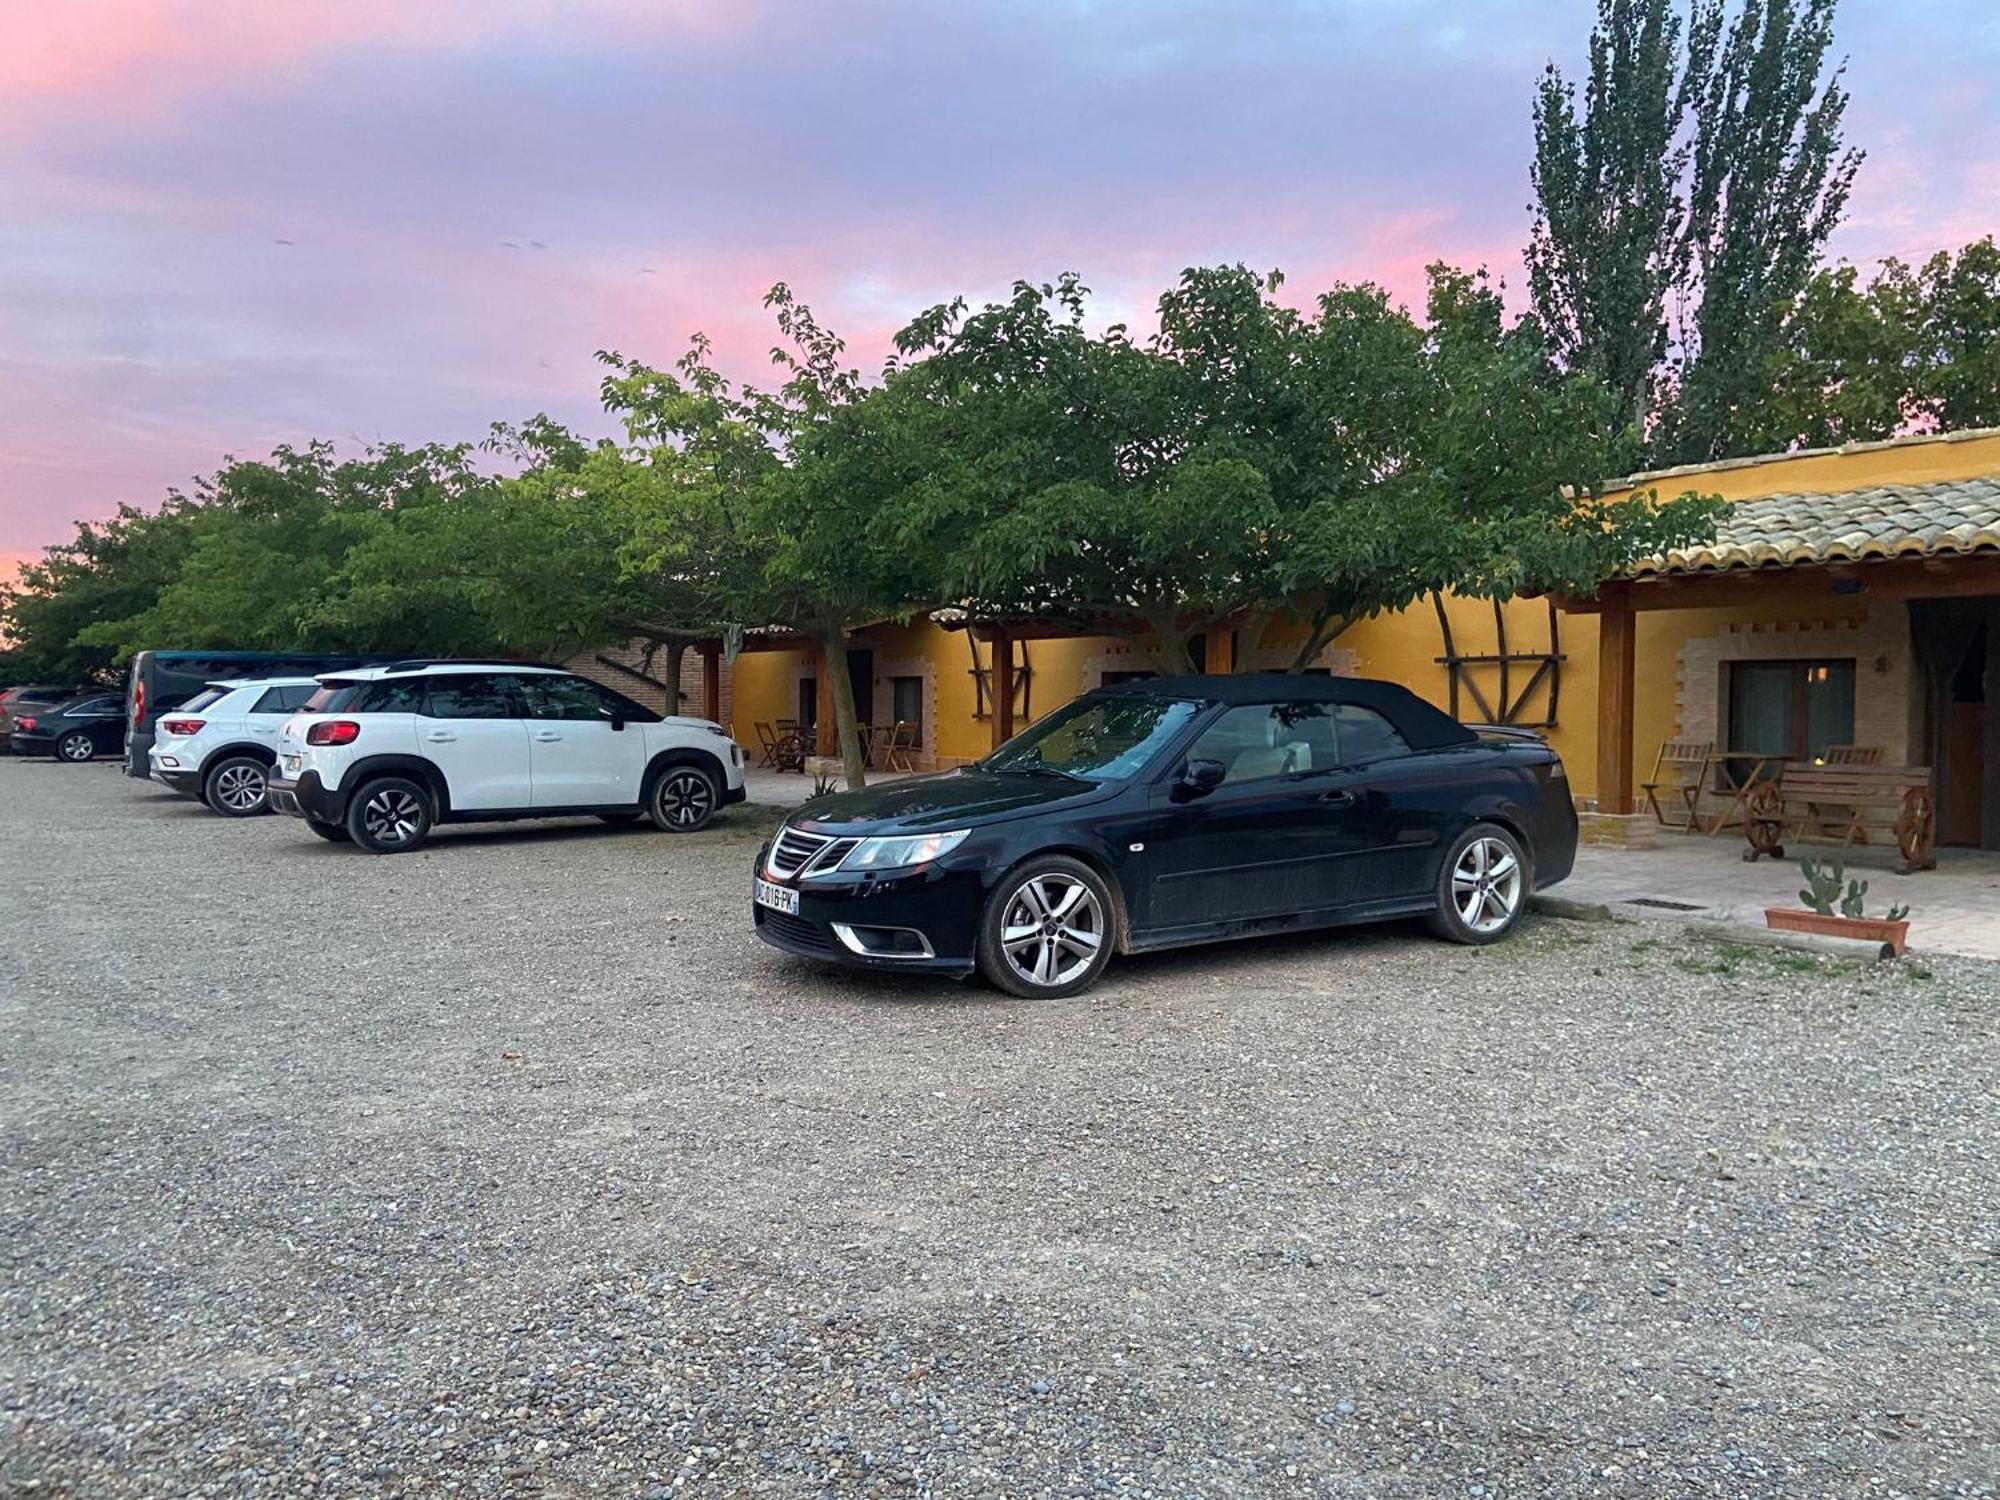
x: 904, y: 743
x: 1680, y: 775
x: 767, y: 739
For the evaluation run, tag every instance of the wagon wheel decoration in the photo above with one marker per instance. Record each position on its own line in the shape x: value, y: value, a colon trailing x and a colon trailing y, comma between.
x: 1764, y: 819
x: 1916, y: 829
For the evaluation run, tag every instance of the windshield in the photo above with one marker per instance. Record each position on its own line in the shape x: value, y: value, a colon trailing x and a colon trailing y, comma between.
x: 1100, y: 739
x: 329, y: 697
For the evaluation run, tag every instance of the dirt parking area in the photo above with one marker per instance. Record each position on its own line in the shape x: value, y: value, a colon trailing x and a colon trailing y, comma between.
x: 519, y: 1167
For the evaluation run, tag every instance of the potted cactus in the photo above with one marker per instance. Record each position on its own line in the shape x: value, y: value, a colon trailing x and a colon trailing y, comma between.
x: 1834, y: 905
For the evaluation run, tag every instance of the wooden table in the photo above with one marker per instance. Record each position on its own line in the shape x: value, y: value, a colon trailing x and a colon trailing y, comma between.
x: 1762, y: 768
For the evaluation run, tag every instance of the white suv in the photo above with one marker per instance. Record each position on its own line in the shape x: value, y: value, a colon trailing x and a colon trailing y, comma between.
x: 220, y: 745
x: 380, y: 755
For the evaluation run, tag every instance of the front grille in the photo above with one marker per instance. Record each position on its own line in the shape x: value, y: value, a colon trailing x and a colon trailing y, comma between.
x: 796, y: 930
x: 797, y: 852
x: 794, y: 851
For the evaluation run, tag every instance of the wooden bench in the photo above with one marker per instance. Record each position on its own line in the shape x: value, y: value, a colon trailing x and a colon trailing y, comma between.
x: 1843, y: 803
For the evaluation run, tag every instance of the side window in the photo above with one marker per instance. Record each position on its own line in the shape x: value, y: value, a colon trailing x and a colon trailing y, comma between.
x: 99, y: 706
x: 296, y: 697
x: 271, y: 701
x: 471, y: 695
x: 1270, y: 739
x: 392, y: 695
x: 568, y: 698
x: 1365, y: 735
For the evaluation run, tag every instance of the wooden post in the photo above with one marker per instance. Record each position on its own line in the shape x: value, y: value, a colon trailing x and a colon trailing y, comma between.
x: 1219, y: 657
x: 711, y: 681
x: 1003, y: 687
x: 1617, y: 664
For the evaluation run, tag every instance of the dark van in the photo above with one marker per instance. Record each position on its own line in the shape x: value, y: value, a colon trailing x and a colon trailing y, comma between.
x: 162, y: 680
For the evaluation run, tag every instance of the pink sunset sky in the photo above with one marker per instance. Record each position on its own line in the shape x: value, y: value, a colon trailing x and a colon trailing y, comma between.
x: 230, y: 223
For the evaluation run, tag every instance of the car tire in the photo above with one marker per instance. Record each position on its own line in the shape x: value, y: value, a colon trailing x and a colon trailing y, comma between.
x: 390, y: 815
x: 76, y: 747
x: 1048, y: 929
x: 333, y: 833
x: 1483, y: 886
x: 684, y: 798
x: 238, y: 786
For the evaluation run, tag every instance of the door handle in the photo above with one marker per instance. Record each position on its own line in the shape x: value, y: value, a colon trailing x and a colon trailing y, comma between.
x: 441, y: 736
x: 1340, y: 798
x: 547, y: 734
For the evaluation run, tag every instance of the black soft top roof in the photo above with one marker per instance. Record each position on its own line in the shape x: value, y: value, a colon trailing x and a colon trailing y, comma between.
x: 1425, y: 727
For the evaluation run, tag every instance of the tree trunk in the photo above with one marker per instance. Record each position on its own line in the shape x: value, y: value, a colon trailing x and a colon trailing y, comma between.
x: 1170, y: 642
x: 833, y: 648
x: 676, y: 653
x: 1323, y: 634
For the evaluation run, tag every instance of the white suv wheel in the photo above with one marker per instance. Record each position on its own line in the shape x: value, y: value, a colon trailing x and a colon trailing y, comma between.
x: 684, y: 799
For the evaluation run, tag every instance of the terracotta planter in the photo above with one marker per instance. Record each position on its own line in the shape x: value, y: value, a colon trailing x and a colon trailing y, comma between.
x: 1869, y: 929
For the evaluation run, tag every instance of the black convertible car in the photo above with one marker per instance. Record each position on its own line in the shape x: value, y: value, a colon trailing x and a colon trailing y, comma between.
x: 1174, y: 810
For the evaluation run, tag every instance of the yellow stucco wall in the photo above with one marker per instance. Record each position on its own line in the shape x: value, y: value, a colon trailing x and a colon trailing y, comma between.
x: 1405, y: 647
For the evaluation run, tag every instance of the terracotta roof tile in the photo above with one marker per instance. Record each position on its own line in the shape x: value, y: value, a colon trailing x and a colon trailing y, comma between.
x: 1891, y: 520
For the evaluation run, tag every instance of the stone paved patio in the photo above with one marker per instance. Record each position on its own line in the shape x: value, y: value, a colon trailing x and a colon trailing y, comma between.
x: 1953, y: 909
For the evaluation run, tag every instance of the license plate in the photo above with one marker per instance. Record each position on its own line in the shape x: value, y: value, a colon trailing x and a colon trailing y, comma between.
x: 777, y: 897
x: 291, y: 762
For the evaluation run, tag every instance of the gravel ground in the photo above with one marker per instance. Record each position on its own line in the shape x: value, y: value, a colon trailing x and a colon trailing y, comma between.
x: 518, y: 1167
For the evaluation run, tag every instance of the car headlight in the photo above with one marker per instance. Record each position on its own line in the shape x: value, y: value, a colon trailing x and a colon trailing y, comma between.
x: 900, y: 853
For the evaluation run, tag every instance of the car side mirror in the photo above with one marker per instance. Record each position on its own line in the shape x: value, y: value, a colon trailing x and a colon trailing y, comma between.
x: 617, y: 721
x: 1198, y: 778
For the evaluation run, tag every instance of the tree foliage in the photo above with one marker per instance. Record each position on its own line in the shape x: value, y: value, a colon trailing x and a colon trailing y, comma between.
x: 1609, y: 242
x: 1250, y: 459
x: 1769, y: 181
x: 1684, y: 209
x: 1914, y: 348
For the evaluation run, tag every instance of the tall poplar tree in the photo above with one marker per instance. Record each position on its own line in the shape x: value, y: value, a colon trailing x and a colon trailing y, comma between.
x: 1770, y: 179
x: 1609, y: 240
x: 1684, y: 208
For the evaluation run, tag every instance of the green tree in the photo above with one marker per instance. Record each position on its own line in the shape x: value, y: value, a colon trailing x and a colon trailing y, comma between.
x: 1251, y: 459
x: 1106, y: 483
x: 1681, y: 214
x: 62, y: 606
x: 1484, y: 481
x: 1844, y: 370
x: 1957, y: 384
x: 270, y: 541
x: 1769, y: 180
x: 1911, y: 349
x: 1608, y: 243
x: 786, y: 498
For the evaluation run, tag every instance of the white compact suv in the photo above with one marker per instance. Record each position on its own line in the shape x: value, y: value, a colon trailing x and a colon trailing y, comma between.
x: 381, y: 755
x: 220, y: 745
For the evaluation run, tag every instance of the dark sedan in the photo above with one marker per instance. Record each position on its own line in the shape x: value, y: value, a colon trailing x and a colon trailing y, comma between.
x: 1170, y: 811
x: 77, y: 730
x: 30, y: 698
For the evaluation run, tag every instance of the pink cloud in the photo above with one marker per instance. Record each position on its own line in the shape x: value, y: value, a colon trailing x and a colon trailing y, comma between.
x: 140, y: 55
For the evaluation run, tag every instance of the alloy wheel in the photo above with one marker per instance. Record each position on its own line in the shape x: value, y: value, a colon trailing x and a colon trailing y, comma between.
x: 240, y: 788
x: 687, y: 798
x: 1052, y: 930
x: 392, y: 816
x: 76, y: 747
x: 1486, y: 885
